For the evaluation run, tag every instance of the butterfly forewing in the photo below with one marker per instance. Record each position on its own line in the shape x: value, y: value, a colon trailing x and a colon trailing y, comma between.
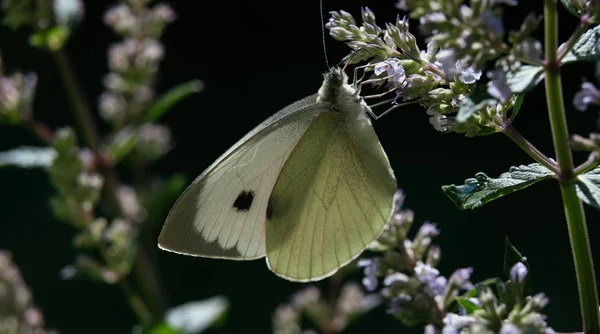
x: 332, y: 198
x: 223, y: 213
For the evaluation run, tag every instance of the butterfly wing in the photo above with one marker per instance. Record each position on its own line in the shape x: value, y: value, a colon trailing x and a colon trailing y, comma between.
x: 222, y: 213
x: 332, y: 198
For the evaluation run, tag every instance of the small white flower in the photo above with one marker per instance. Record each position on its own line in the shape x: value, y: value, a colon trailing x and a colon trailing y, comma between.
x: 498, y: 87
x: 518, y: 273
x: 429, y: 329
x: 447, y: 60
x: 428, y: 230
x: 508, y: 328
x: 454, y: 322
x: 395, y: 278
x: 469, y: 75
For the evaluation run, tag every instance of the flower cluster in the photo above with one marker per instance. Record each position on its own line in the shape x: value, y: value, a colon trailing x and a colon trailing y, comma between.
x: 444, y: 77
x: 134, y: 61
x: 417, y: 293
x: 508, y: 313
x: 16, y: 96
x: 18, y: 313
x: 79, y: 184
x: 326, y: 316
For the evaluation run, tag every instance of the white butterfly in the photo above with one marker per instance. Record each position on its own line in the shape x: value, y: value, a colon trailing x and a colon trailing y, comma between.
x: 309, y: 188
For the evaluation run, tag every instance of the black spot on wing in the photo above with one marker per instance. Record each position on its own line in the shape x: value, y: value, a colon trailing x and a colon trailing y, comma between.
x: 244, y: 201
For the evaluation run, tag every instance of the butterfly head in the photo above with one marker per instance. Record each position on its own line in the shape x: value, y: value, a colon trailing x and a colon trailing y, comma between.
x: 342, y: 96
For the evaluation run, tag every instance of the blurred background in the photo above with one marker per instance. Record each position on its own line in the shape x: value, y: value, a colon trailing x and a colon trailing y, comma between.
x: 256, y: 57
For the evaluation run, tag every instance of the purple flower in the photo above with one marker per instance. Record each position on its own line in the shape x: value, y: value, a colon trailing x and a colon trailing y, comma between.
x: 518, y: 273
x: 469, y: 75
x: 393, y: 70
x: 509, y: 328
x: 370, y: 271
x: 588, y: 94
x: 498, y: 87
x: 428, y: 230
x: 430, y: 277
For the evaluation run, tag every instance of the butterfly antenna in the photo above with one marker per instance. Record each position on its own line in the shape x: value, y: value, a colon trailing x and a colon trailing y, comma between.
x: 323, y: 34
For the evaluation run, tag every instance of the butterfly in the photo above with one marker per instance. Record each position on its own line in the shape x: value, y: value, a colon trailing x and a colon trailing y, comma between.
x: 309, y: 188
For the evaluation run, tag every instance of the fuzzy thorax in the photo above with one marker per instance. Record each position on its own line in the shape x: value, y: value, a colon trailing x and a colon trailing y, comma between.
x: 341, y: 95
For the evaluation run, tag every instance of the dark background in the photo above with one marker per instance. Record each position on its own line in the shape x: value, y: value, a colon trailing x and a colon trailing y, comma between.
x: 256, y: 57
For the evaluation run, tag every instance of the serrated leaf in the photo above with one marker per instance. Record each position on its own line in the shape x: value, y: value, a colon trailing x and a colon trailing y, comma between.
x: 588, y: 187
x: 524, y: 78
x: 28, y: 157
x: 482, y: 189
x: 474, y: 102
x: 167, y: 100
x: 195, y: 317
x: 585, y: 48
x: 467, y: 305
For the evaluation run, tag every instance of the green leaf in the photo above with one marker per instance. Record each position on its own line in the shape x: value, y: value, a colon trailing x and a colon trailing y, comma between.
x: 524, y: 78
x: 511, y: 257
x: 122, y: 144
x: 467, y: 305
x: 28, y: 157
x: 474, y: 102
x: 482, y: 189
x: 163, y: 328
x: 585, y: 48
x: 195, y: 317
x: 577, y: 12
x: 517, y: 106
x: 588, y: 187
x: 167, y: 100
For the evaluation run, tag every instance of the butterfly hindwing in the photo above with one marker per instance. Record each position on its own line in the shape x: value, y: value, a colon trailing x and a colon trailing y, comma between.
x: 332, y: 198
x: 222, y: 213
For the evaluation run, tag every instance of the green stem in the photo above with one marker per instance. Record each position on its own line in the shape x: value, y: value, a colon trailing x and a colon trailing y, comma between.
x: 589, y: 164
x: 85, y: 121
x: 580, y: 245
x: 529, y: 148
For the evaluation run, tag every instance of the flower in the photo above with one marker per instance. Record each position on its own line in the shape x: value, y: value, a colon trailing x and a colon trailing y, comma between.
x: 518, y: 273
x: 588, y: 94
x: 370, y: 271
x: 430, y: 277
x: 508, y: 328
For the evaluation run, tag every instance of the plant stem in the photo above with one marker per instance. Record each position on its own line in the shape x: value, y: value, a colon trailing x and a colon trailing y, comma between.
x: 563, y: 50
x: 589, y: 164
x: 529, y: 148
x: 580, y: 245
x: 91, y: 137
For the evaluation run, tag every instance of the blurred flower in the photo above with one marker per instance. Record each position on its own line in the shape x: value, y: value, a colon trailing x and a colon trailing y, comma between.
x: 370, y: 273
x: 18, y: 314
x: 16, y: 97
x: 154, y: 141
x: 285, y: 320
x: 588, y: 94
x: 130, y: 204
